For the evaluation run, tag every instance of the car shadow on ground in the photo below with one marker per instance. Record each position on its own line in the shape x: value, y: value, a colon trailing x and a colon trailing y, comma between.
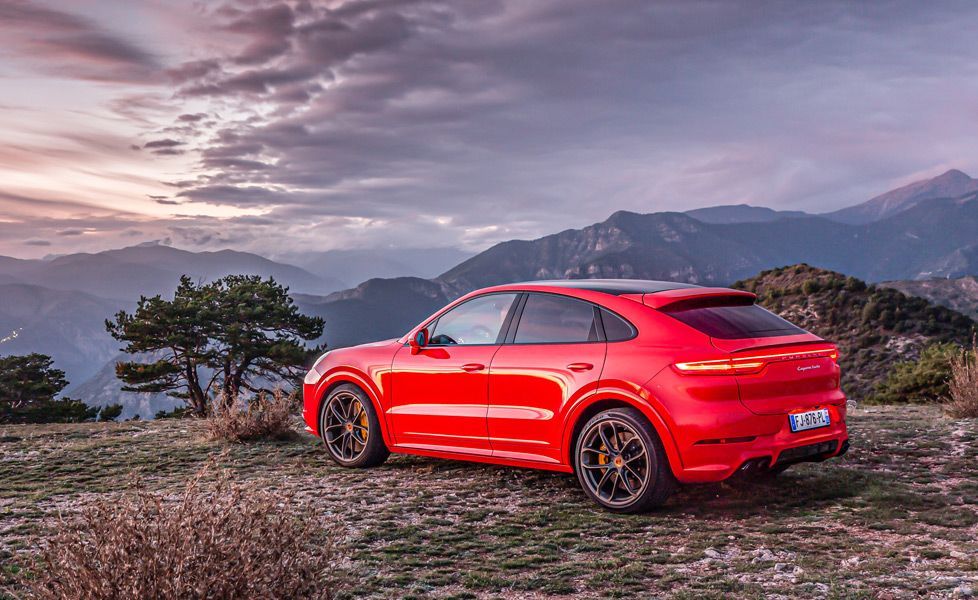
x: 804, y: 487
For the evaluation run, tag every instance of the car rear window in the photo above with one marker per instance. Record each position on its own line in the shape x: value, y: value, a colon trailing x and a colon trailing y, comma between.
x: 732, y: 320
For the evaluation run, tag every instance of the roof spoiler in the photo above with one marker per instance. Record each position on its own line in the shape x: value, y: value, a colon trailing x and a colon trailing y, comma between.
x: 663, y: 299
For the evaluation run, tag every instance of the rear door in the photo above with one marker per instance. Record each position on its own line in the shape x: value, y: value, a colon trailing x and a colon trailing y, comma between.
x: 554, y: 355
x: 795, y: 369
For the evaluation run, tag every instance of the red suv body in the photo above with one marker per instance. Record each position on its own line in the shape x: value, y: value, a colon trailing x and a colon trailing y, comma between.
x: 634, y: 385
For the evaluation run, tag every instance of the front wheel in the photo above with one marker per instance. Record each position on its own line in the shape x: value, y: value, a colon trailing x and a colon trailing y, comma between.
x: 350, y: 429
x: 621, y: 463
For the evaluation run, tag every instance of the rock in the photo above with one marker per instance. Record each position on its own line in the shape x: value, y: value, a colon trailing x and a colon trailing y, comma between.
x: 763, y: 555
x: 781, y: 567
x: 712, y: 553
x: 964, y: 591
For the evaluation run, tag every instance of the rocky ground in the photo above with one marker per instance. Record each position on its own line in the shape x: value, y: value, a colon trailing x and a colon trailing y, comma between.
x: 896, y: 518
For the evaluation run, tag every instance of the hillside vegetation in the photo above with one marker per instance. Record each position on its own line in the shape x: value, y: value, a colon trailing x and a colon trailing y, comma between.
x: 875, y: 327
x: 961, y: 294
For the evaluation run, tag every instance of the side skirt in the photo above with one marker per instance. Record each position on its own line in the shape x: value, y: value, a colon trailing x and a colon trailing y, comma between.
x: 493, y: 460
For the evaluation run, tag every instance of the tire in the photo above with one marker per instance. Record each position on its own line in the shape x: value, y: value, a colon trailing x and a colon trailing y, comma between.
x: 350, y: 429
x: 617, y: 480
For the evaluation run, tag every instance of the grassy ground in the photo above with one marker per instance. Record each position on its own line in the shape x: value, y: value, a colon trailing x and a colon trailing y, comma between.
x: 897, y: 517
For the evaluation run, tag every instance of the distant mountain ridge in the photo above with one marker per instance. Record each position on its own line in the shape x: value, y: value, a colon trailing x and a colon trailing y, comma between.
x: 741, y: 213
x: 950, y: 184
x: 939, y: 238
x: 358, y: 265
x: 151, y: 269
x: 66, y: 325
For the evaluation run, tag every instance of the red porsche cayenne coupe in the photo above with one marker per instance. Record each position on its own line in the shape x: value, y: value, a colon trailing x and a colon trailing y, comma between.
x: 632, y: 385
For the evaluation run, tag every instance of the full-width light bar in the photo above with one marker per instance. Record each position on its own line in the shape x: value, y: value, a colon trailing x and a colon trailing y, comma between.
x: 752, y: 363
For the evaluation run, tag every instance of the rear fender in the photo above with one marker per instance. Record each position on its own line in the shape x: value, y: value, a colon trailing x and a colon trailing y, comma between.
x: 640, y: 400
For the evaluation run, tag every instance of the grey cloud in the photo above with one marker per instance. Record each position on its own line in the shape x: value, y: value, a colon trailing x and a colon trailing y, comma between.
x: 58, y: 39
x: 37, y: 243
x: 164, y: 143
x: 268, y: 28
x: 192, y: 118
x: 476, y: 121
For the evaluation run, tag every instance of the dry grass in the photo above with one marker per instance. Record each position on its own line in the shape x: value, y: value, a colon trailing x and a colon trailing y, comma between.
x: 260, y: 418
x: 217, y: 540
x: 963, y: 384
x: 896, y: 518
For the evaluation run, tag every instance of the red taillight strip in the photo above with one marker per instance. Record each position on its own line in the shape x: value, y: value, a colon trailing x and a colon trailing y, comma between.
x: 752, y: 363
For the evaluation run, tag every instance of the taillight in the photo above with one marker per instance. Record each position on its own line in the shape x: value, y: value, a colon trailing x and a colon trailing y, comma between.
x: 750, y: 363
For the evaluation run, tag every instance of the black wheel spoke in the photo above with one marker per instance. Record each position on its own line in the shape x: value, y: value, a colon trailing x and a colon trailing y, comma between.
x: 604, y: 438
x: 623, y: 476
x: 615, y: 476
x: 641, y: 454
x: 604, y: 479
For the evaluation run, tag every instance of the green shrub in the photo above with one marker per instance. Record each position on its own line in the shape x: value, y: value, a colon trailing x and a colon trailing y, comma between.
x: 924, y: 380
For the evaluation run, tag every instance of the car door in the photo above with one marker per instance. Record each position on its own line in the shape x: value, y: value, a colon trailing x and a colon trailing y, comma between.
x: 440, y: 395
x: 554, y: 355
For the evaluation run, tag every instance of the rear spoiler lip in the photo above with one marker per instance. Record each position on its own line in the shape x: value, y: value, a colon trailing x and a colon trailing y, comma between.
x: 662, y: 299
x: 774, y: 343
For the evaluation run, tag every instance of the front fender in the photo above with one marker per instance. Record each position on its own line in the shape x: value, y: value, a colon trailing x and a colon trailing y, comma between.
x: 339, y: 376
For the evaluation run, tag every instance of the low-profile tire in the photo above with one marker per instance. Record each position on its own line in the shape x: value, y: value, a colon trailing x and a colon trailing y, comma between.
x: 620, y: 462
x: 350, y: 429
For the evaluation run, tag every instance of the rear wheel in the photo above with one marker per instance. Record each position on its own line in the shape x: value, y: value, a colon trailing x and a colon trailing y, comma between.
x: 350, y: 429
x: 621, y: 463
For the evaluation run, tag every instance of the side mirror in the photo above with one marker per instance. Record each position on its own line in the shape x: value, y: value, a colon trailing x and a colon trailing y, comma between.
x: 419, y: 340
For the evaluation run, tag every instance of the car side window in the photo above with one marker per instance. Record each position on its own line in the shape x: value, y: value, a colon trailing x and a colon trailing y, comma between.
x: 616, y: 329
x: 550, y: 319
x: 477, y: 321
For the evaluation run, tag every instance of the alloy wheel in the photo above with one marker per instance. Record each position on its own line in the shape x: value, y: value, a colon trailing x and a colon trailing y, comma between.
x: 346, y: 428
x: 615, y: 463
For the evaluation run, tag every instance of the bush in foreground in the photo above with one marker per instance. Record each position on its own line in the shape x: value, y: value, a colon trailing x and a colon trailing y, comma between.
x: 963, y: 384
x: 217, y: 540
x: 266, y: 416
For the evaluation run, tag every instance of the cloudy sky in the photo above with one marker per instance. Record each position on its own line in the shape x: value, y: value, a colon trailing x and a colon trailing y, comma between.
x: 278, y: 126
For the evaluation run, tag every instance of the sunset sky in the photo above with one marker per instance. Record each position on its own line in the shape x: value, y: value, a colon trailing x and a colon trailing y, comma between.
x: 281, y: 126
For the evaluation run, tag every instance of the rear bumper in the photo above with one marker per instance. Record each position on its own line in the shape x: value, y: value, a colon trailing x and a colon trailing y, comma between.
x: 719, y: 460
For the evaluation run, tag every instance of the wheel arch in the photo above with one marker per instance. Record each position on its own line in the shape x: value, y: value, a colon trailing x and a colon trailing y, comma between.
x: 337, y: 378
x: 608, y: 399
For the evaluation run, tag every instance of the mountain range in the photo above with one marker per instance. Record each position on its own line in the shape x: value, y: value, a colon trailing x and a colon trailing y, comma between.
x: 922, y: 231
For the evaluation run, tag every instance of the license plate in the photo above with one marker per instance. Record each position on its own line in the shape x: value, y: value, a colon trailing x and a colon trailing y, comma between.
x: 812, y: 419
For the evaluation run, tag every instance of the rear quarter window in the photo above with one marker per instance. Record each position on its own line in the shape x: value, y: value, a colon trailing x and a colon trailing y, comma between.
x: 616, y: 329
x: 732, y: 321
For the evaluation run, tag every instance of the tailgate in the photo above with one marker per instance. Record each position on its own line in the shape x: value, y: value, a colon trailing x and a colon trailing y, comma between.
x: 799, y: 372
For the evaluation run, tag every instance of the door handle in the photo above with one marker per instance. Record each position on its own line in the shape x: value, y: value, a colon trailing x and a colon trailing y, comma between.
x: 581, y: 366
x: 473, y: 367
